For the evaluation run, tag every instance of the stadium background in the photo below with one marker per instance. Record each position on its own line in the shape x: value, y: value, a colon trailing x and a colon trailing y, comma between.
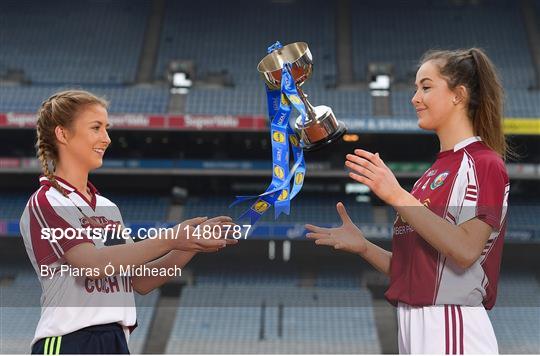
x: 176, y: 156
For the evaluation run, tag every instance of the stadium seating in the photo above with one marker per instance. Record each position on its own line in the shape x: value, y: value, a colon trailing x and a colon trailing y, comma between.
x: 136, y: 208
x: 141, y: 208
x: 97, y: 45
x: 524, y: 216
x: 268, y: 311
x: 251, y: 99
x: 401, y: 104
x: 320, y: 318
x: 516, y: 316
x: 382, y: 31
x: 239, y: 49
x: 228, y: 101
x: 251, y: 27
x: 260, y: 276
x: 146, y: 305
x: 346, y: 104
x: 273, y: 318
x: 400, y: 32
x: 521, y: 103
x: 20, y: 310
x: 336, y: 278
x: 136, y: 99
x: 328, y: 277
x: 303, y: 210
x: 96, y: 41
x: 317, y: 210
x: 12, y: 205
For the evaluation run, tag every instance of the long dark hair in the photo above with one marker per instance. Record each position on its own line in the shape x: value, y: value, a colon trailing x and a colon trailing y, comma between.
x: 473, y: 69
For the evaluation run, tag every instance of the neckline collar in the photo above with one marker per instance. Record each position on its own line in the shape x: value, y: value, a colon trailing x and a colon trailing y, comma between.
x: 458, y: 146
x: 69, y: 188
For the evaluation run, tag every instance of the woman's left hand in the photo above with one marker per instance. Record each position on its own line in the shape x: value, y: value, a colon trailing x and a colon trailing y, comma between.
x: 369, y: 169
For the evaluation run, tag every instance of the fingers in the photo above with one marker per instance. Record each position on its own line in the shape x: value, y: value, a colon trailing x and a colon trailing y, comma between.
x: 315, y: 235
x: 212, y: 244
x: 361, y: 179
x: 195, y: 221
x: 204, y: 247
x: 359, y: 161
x: 361, y: 169
x: 374, y: 158
x: 213, y: 221
x: 365, y: 154
x: 226, y: 231
x: 225, y: 226
x: 222, y: 224
x: 219, y: 219
x: 379, y: 160
x: 326, y: 242
x: 329, y: 242
x: 345, y: 218
x: 317, y: 229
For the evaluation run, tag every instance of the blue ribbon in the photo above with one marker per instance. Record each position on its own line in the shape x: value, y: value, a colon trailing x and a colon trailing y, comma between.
x: 277, y: 45
x: 284, y: 141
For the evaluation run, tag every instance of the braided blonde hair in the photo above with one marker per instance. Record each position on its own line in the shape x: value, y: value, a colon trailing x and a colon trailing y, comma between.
x: 59, y: 110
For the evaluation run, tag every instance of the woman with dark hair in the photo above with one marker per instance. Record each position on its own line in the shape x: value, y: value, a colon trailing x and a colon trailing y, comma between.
x: 449, y: 230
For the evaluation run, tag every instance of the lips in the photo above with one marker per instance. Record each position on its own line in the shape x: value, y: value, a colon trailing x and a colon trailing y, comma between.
x: 99, y: 151
x: 420, y: 109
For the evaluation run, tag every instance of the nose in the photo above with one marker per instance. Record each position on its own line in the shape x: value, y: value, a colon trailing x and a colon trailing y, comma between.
x: 415, y: 99
x: 106, y: 138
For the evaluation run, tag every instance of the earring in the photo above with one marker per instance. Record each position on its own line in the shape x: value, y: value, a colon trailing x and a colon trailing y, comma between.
x: 455, y: 101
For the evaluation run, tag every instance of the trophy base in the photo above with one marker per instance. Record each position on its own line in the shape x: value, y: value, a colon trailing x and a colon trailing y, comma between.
x: 320, y: 129
x: 327, y: 141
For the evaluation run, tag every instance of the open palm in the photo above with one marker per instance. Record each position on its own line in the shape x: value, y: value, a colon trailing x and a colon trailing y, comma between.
x: 347, y: 237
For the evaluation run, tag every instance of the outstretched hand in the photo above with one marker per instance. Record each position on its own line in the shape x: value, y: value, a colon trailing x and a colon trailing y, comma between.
x: 369, y: 169
x: 346, y: 237
x: 187, y: 241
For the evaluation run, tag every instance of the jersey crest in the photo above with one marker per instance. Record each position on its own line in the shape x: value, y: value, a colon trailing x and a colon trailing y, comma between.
x: 439, y: 180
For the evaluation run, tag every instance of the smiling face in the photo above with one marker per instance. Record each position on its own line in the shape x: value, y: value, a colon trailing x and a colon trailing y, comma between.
x: 88, y: 139
x: 433, y: 100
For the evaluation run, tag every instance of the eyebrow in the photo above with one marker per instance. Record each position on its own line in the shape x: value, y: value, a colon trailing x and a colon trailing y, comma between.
x: 99, y: 122
x: 424, y: 79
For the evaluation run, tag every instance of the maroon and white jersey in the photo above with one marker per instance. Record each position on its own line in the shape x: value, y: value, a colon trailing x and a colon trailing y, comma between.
x: 467, y: 182
x: 71, y: 301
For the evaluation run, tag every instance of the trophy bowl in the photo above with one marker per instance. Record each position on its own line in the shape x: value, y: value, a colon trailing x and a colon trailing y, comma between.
x: 297, y: 54
x: 320, y: 127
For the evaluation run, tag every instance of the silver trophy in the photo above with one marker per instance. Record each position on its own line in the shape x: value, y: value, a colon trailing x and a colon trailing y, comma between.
x: 320, y: 127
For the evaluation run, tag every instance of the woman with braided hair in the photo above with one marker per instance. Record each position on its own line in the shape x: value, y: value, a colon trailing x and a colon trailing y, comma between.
x: 87, y: 305
x: 449, y: 230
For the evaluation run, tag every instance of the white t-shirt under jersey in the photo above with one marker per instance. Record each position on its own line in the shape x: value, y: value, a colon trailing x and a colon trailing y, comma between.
x: 70, y: 300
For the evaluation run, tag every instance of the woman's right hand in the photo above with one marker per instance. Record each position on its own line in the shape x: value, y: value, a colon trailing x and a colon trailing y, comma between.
x: 184, y: 237
x: 347, y: 237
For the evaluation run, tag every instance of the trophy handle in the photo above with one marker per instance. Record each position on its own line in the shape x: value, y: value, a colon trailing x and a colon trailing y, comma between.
x: 309, y: 108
